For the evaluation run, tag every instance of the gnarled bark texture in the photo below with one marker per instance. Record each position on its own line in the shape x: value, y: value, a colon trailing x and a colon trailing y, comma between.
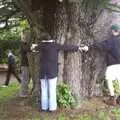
x: 70, y: 22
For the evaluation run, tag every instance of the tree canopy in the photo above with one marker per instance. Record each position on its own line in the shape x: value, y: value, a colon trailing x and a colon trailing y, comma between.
x: 11, y: 14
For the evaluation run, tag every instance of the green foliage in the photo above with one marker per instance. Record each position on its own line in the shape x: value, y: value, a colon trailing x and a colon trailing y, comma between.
x: 14, y: 32
x: 6, y: 45
x: 116, y: 113
x: 64, y: 96
x: 102, y: 115
x: 9, y: 34
x: 84, y: 117
x: 10, y: 39
x: 116, y: 87
x: 103, y: 2
x: 62, y: 117
x: 24, y: 25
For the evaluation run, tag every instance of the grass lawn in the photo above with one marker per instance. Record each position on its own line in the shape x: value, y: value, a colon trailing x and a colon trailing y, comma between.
x: 8, y: 92
x: 12, y: 107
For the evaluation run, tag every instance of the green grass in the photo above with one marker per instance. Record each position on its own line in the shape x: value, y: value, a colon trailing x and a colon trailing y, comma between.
x: 8, y: 92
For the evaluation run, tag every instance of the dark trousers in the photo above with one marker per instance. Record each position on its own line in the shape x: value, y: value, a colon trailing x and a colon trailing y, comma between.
x: 14, y: 72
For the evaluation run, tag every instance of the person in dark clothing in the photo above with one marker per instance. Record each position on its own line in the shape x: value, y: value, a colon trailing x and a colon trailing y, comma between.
x: 11, y: 69
x: 49, y: 50
x: 112, y: 48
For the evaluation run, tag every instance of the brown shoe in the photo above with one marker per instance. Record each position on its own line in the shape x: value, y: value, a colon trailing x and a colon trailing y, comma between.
x: 111, y: 101
x: 118, y: 100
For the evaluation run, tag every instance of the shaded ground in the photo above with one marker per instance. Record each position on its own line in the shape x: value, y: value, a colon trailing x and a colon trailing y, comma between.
x: 94, y: 109
x: 22, y: 109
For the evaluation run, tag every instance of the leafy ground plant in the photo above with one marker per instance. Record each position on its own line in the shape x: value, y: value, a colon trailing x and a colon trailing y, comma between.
x: 116, y: 87
x: 64, y: 96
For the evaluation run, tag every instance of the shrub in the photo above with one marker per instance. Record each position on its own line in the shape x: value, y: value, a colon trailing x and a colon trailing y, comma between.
x: 5, y: 45
x: 116, y: 87
x: 64, y: 96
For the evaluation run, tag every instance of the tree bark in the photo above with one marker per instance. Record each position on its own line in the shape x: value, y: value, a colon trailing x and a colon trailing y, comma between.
x: 68, y: 22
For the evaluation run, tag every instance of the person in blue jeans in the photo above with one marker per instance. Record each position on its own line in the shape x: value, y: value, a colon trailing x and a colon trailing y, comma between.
x: 49, y: 50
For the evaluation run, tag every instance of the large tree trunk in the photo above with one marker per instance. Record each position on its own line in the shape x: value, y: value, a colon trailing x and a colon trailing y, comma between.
x: 78, y: 66
x: 68, y: 22
x: 61, y: 20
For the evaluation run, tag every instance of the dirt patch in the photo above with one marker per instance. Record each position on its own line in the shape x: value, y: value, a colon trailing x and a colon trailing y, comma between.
x: 18, y: 109
x: 15, y: 109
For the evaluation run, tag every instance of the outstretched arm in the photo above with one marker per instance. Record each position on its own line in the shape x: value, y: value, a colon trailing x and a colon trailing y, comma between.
x: 73, y: 48
x: 104, y: 45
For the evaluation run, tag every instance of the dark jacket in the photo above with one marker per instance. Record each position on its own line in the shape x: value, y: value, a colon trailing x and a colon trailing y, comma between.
x: 112, y: 47
x: 49, y: 58
x: 23, y: 50
x: 11, y: 62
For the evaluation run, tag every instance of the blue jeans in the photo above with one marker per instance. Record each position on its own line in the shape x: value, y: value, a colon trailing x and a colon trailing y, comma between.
x: 48, y: 94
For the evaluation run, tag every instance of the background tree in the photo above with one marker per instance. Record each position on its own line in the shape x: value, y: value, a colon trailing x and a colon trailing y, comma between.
x: 12, y: 22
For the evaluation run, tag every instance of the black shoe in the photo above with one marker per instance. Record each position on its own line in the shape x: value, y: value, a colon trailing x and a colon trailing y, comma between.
x: 40, y: 110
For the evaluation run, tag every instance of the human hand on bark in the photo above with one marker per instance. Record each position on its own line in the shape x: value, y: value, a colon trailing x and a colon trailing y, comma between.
x: 33, y: 47
x: 83, y: 48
